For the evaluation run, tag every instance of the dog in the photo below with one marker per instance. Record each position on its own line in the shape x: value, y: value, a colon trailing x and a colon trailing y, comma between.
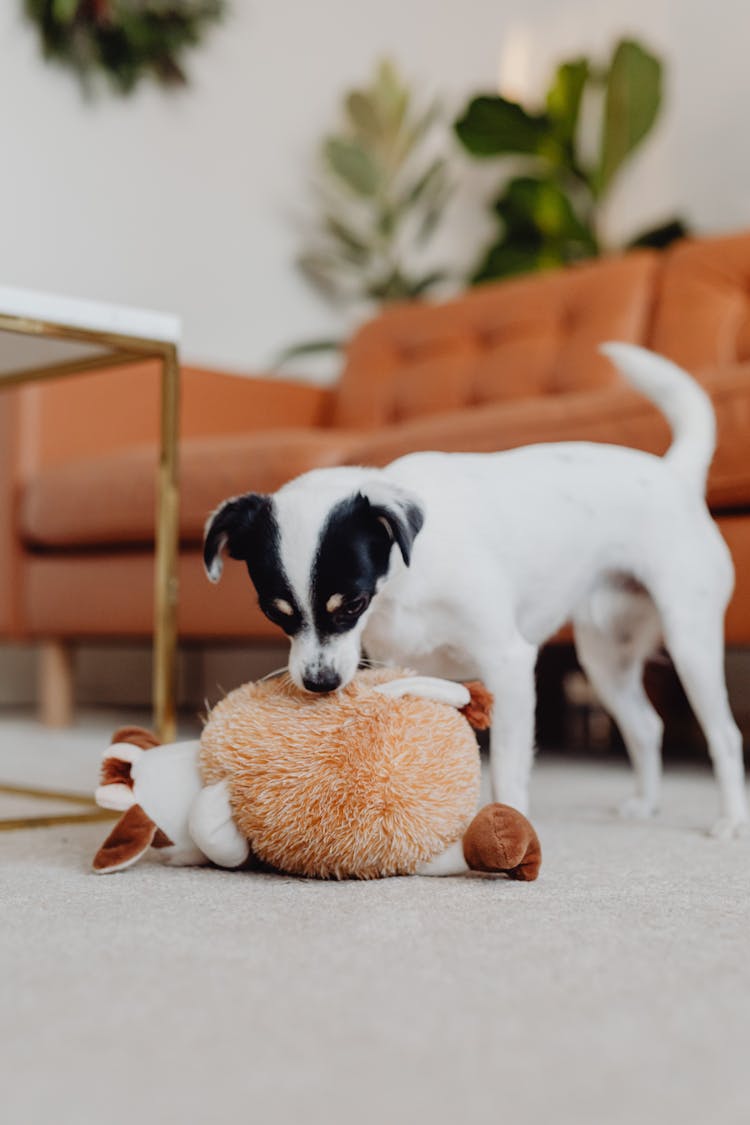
x: 461, y: 565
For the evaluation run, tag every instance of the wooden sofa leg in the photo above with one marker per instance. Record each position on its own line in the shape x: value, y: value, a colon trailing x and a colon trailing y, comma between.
x: 55, y: 684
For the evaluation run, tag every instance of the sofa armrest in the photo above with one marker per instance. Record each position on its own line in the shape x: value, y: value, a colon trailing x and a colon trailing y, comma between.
x: 119, y: 407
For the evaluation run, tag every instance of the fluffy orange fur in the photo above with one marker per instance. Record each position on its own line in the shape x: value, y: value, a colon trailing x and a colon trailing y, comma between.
x: 346, y: 785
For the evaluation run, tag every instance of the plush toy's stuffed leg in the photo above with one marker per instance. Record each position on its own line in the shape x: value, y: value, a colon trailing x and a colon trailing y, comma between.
x: 427, y: 687
x: 472, y: 699
x: 213, y: 829
x: 501, y: 839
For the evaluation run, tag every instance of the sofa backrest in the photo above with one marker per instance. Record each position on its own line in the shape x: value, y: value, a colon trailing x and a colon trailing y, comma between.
x: 702, y: 317
x: 506, y: 340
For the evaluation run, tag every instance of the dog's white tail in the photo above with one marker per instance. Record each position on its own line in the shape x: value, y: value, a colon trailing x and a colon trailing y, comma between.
x: 685, y: 404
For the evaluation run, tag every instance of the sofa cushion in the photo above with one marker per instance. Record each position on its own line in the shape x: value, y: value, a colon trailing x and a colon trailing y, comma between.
x: 110, y: 499
x: 512, y: 340
x: 111, y: 594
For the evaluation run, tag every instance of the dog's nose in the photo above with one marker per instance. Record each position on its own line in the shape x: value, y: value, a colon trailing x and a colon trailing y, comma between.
x: 328, y: 682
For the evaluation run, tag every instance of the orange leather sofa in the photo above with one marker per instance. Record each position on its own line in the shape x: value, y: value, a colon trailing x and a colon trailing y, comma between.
x: 503, y: 365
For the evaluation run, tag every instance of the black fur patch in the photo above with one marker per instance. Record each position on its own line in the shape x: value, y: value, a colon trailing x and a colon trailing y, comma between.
x: 354, y: 551
x: 247, y: 527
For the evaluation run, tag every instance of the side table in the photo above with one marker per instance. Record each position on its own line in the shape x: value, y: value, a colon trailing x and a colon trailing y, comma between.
x: 43, y: 336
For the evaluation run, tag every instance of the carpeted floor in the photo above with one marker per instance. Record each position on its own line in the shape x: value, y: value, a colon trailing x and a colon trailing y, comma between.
x: 614, y: 990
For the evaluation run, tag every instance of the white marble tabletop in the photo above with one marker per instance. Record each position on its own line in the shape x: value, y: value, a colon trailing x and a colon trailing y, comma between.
x: 92, y: 316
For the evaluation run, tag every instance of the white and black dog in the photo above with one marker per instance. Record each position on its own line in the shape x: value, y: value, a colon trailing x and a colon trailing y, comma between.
x: 462, y: 565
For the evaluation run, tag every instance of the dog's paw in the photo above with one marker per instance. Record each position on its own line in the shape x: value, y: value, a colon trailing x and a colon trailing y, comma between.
x: 730, y: 828
x: 636, y: 808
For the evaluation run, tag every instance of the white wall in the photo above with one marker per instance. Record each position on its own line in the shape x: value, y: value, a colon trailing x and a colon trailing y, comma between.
x: 193, y: 202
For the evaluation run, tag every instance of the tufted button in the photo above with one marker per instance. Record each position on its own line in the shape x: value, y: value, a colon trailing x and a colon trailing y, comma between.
x: 489, y: 336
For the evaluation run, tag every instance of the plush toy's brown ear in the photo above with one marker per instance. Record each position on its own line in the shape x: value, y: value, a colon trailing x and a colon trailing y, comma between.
x: 478, y: 710
x: 133, y: 835
x: 501, y: 839
x: 137, y: 736
x: 115, y: 772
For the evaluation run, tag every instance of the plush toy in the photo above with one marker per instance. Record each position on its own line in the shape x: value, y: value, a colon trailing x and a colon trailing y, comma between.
x: 379, y: 778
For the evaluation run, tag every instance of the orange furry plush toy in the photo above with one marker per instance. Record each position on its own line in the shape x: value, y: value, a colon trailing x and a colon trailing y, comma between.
x: 380, y: 778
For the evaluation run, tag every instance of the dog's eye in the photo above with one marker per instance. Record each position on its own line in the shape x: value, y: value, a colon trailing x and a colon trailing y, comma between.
x: 351, y: 610
x: 282, y: 613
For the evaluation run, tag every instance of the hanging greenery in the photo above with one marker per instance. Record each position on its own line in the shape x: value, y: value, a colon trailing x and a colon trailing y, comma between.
x: 125, y: 40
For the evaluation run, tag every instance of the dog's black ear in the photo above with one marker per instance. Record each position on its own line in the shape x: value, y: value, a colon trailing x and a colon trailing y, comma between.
x: 398, y: 510
x: 230, y: 528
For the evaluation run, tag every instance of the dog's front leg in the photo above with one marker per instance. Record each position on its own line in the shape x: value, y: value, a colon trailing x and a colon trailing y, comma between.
x: 510, y: 676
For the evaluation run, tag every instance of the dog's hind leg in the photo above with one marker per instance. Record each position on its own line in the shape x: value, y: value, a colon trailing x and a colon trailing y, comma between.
x: 697, y: 652
x: 510, y: 676
x: 692, y: 600
x: 613, y: 655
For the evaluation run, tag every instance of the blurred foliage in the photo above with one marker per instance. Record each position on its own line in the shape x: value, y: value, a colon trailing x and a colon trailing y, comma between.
x: 552, y: 215
x: 124, y: 39
x: 381, y: 197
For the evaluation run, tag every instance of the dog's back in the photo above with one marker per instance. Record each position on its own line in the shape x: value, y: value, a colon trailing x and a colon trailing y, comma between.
x: 546, y: 521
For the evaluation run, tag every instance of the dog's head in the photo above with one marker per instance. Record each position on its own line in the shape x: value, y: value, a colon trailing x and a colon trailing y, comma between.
x: 318, y: 551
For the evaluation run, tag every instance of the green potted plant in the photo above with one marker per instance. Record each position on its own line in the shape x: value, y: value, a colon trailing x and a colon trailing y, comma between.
x: 551, y: 214
x: 381, y: 193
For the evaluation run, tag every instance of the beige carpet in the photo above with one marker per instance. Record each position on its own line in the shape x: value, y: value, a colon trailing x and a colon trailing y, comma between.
x: 614, y: 990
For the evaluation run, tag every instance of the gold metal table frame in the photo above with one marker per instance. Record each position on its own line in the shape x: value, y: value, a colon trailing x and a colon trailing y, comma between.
x: 115, y: 349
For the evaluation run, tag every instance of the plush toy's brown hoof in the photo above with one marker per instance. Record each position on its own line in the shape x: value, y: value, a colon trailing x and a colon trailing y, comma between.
x: 501, y: 839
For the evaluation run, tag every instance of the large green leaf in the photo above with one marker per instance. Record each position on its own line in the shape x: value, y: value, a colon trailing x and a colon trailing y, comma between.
x: 564, y: 98
x: 495, y: 126
x: 362, y: 112
x: 391, y: 95
x: 631, y: 104
x: 353, y: 164
x: 538, y: 205
x: 541, y: 229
